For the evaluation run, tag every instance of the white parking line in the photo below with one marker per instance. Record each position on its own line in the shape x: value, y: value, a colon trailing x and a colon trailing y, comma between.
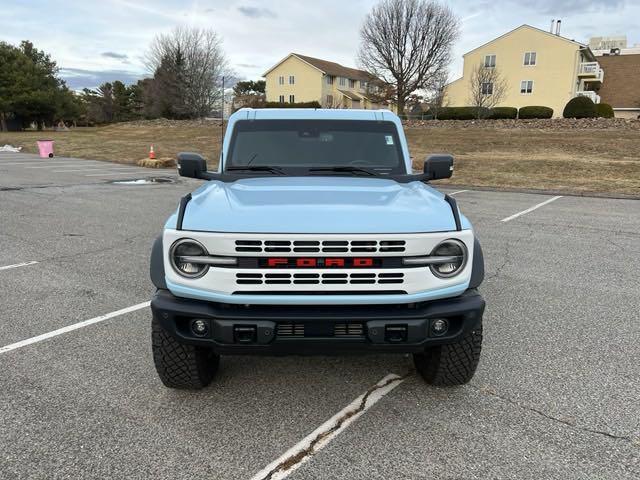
x: 321, y: 436
x: 459, y: 191
x: 70, y: 328
x: 23, y: 264
x: 535, y: 207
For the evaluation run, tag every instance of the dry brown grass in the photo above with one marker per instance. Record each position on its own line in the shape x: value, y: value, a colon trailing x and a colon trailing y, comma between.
x: 569, y: 160
x: 127, y: 142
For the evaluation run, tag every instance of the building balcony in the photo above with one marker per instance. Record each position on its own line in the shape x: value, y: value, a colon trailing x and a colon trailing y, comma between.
x: 589, y: 94
x: 591, y: 71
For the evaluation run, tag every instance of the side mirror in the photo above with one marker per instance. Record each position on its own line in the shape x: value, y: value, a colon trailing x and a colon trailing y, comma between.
x: 191, y: 165
x: 438, y: 166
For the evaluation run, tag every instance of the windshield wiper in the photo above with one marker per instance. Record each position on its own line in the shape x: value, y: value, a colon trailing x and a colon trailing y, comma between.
x: 256, y: 168
x: 347, y: 169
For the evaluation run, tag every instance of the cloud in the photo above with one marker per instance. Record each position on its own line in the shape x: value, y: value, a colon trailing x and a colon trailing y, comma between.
x: 79, y: 78
x: 563, y: 7
x: 117, y: 56
x: 256, y: 12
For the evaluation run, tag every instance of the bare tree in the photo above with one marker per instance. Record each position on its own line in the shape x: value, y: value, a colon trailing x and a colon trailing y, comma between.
x: 436, y: 98
x: 335, y: 101
x: 407, y: 43
x: 189, y: 63
x: 487, y: 88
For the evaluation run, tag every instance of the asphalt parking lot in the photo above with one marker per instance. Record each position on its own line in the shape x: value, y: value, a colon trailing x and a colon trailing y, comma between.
x: 556, y: 395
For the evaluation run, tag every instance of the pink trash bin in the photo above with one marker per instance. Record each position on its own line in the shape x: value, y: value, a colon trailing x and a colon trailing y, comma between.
x: 45, y: 147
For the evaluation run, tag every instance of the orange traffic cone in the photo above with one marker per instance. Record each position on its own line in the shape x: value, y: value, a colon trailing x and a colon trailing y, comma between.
x: 152, y: 154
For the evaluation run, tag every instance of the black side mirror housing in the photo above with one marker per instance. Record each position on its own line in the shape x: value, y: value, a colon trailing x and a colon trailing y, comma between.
x: 191, y: 165
x: 438, y: 166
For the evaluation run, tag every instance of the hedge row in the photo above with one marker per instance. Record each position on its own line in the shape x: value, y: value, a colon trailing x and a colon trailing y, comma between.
x: 471, y: 113
x: 498, y: 113
x: 579, y: 107
x: 313, y: 104
x: 459, y: 113
x: 535, y: 111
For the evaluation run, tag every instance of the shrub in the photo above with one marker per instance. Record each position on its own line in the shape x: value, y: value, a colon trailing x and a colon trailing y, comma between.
x: 313, y: 104
x: 458, y: 113
x: 535, y: 111
x: 580, y: 107
x: 497, y: 113
x: 604, y: 110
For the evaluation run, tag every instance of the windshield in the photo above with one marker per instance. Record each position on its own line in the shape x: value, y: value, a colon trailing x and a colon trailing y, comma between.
x: 316, y: 145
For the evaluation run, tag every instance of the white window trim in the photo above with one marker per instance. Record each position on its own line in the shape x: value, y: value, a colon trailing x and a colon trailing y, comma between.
x: 525, y: 92
x: 281, y: 99
x: 281, y: 80
x: 482, y: 88
x: 292, y: 99
x: 524, y: 59
x: 292, y: 80
x: 484, y: 60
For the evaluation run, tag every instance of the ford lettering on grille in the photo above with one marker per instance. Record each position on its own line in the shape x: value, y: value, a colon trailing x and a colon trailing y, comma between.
x: 320, y: 262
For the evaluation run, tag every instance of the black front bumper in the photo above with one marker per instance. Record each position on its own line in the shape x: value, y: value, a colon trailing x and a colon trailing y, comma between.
x: 319, y: 329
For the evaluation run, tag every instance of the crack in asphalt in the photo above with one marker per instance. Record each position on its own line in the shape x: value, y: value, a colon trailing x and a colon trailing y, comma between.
x: 507, y: 260
x: 583, y: 228
x: 489, y: 391
x: 299, y: 457
x: 115, y: 246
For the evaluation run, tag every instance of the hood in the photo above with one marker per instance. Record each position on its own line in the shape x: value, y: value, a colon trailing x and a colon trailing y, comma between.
x: 317, y: 205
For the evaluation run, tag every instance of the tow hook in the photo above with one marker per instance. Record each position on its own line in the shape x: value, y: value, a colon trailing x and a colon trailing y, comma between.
x: 395, y: 333
x: 244, y: 333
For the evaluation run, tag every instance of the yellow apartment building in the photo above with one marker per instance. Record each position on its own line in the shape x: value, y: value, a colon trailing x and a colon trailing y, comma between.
x: 299, y: 78
x: 539, y: 67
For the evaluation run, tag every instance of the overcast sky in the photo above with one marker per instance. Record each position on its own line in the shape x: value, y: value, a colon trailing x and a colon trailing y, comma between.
x: 105, y: 40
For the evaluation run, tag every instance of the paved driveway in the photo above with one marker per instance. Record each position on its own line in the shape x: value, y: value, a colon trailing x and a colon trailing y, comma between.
x: 556, y: 394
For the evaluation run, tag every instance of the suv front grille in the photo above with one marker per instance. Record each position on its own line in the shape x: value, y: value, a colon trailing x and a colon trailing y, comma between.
x: 348, y: 330
x: 338, y: 330
x: 319, y: 278
x: 290, y: 330
x: 317, y: 246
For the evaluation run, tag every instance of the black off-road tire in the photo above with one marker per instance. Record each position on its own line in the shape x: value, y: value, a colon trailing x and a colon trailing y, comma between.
x: 180, y: 365
x: 451, y: 364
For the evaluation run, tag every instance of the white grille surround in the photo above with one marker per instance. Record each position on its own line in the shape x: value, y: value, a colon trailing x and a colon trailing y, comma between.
x: 287, y: 283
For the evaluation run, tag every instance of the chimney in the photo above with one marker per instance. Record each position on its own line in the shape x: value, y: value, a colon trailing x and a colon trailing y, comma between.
x: 558, y: 27
x: 552, y: 25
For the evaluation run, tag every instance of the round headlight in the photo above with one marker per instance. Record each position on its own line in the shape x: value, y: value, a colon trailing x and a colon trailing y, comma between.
x: 184, y: 258
x: 450, y: 256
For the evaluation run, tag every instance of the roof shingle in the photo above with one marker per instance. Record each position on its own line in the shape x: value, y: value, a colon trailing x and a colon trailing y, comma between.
x: 621, y: 86
x: 335, y: 69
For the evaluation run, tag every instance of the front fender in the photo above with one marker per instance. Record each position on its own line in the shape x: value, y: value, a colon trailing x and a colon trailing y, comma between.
x: 156, y: 267
x: 477, y: 270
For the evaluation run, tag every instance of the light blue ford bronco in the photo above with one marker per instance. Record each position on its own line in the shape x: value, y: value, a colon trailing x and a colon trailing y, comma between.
x: 315, y: 236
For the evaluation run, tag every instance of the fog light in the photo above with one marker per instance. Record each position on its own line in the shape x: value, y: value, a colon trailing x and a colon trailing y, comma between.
x: 200, y: 328
x: 439, y: 326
